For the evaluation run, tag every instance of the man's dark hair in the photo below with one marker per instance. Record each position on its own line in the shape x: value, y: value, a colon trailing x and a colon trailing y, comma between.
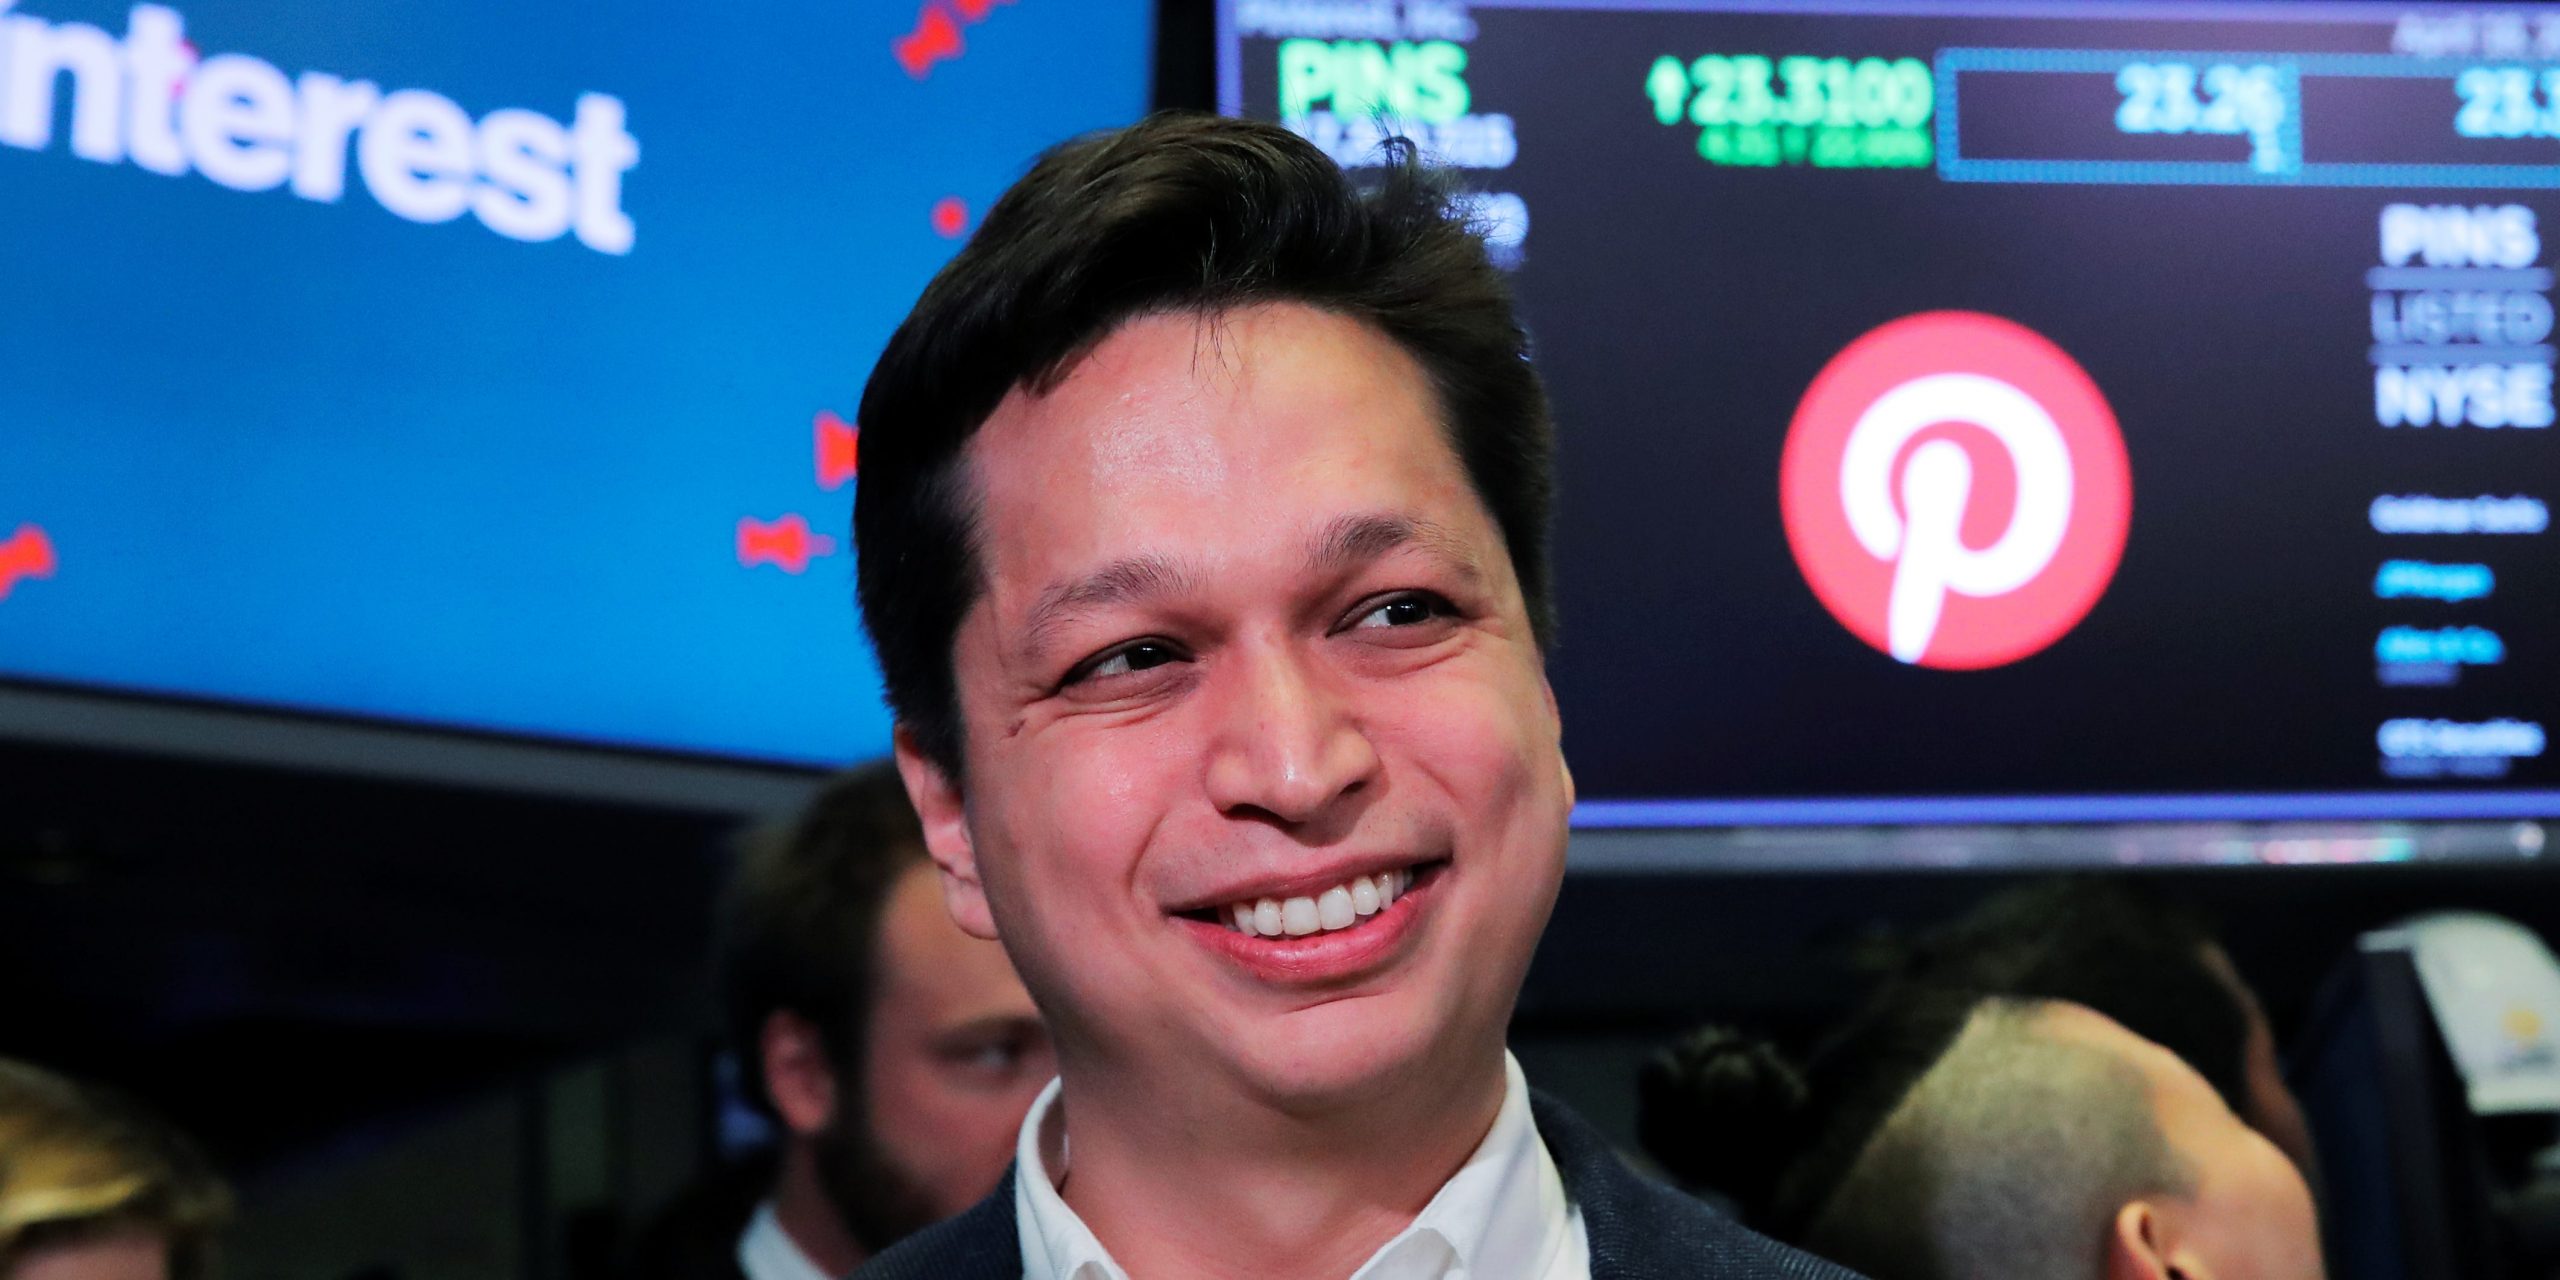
x: 1179, y: 213
x: 2128, y: 953
x: 1727, y: 1113
x: 799, y: 926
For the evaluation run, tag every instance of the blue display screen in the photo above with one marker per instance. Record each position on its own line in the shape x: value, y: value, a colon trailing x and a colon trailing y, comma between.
x: 486, y: 365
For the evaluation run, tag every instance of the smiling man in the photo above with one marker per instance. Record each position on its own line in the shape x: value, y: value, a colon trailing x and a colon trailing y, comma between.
x: 1202, y: 534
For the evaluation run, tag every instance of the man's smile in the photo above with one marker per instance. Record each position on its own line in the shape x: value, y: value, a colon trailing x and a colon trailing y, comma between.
x: 1338, y: 907
x: 1326, y: 933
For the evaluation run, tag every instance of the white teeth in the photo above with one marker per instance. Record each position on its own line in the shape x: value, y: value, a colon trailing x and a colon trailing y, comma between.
x: 1298, y: 916
x: 1364, y: 896
x: 1333, y: 909
x: 1339, y: 907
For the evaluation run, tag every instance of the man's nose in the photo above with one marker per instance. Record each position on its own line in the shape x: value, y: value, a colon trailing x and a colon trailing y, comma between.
x: 1287, y: 747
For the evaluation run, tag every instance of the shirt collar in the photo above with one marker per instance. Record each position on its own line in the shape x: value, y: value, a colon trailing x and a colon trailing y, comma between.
x: 1504, y: 1213
x: 1502, y: 1216
x: 1056, y: 1245
x: 767, y: 1252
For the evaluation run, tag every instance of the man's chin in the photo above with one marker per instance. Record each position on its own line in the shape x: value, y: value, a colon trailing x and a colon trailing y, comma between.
x: 1343, y: 1055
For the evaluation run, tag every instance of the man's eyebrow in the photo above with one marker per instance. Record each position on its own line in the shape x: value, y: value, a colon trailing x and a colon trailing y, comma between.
x: 1121, y: 581
x: 987, y: 1025
x: 1356, y: 540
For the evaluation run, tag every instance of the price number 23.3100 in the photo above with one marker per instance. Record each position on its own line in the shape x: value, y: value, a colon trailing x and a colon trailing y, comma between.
x: 1830, y: 112
x: 1748, y: 89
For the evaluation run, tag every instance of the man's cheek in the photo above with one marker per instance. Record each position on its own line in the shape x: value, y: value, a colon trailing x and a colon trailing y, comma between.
x: 1478, y: 744
x: 1099, y: 804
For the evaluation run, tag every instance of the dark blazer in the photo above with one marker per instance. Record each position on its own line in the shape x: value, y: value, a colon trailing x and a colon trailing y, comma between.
x: 1639, y: 1230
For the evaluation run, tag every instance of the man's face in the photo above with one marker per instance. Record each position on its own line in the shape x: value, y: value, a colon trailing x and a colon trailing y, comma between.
x: 2248, y: 1215
x: 2270, y: 1107
x: 955, y: 1055
x: 1248, y: 637
x: 126, y: 1255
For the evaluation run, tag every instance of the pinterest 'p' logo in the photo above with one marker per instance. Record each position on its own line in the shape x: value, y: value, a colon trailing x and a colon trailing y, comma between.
x: 1955, y: 490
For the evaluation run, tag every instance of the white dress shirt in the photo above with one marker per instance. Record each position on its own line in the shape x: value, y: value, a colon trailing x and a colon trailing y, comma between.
x: 1502, y: 1216
x: 767, y: 1252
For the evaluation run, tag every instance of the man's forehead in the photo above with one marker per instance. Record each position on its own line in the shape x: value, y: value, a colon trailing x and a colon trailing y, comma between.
x: 911, y: 913
x: 1136, y: 468
x: 919, y: 946
x: 1164, y: 392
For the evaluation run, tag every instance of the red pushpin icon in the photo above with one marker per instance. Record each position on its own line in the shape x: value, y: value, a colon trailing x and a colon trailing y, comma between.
x: 935, y: 39
x: 839, y: 445
x: 27, y: 554
x: 785, y: 544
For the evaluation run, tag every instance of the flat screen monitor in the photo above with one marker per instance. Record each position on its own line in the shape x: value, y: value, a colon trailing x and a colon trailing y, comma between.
x: 1999, y: 413
x: 480, y: 365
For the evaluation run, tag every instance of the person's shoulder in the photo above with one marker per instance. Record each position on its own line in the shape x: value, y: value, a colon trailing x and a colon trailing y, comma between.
x: 1640, y: 1229
x: 980, y: 1244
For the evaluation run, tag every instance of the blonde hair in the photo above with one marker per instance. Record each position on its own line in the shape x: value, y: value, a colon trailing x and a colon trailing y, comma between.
x: 78, y: 1162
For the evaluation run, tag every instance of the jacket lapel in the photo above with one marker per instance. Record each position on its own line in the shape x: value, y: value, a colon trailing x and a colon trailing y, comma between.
x: 981, y: 1244
x: 1642, y: 1230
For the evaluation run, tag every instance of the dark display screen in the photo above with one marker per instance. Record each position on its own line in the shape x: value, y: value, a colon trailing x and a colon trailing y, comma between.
x: 2086, y: 413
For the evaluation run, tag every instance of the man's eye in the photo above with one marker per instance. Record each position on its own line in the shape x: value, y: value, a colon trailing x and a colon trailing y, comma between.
x: 1142, y: 656
x: 1403, y: 611
x: 1003, y: 1056
x: 997, y: 1058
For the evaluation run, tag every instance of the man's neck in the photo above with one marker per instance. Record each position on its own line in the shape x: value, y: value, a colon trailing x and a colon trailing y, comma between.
x: 1231, y: 1187
x: 801, y: 1206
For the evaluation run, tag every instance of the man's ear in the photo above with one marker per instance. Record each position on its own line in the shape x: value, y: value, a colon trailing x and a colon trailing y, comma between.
x: 2138, y: 1247
x: 797, y: 1075
x: 946, y: 835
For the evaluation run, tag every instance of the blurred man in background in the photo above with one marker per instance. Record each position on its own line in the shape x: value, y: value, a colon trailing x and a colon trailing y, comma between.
x: 894, y: 1054
x: 93, y: 1188
x: 2148, y: 963
x: 1948, y: 1136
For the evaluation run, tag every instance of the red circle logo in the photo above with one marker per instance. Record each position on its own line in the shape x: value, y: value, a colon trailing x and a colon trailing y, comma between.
x: 1955, y: 490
